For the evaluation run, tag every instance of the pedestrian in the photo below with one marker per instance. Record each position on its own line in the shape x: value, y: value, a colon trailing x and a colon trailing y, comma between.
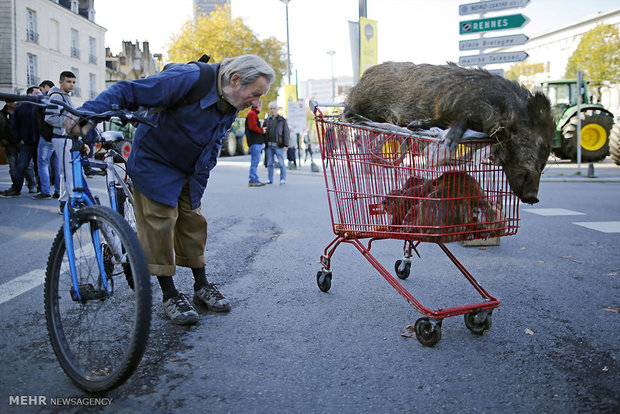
x: 276, y: 141
x: 47, y: 161
x: 308, y: 144
x: 25, y: 126
x: 291, y: 153
x: 11, y: 148
x: 256, y: 141
x: 170, y: 164
x: 61, y: 142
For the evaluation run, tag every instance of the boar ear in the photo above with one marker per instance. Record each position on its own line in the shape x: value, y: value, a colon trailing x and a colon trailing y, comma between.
x: 538, y: 107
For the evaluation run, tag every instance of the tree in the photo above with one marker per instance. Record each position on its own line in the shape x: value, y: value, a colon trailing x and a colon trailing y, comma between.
x: 220, y: 36
x: 598, y: 56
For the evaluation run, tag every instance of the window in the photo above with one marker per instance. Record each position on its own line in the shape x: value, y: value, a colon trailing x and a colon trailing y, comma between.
x: 75, y: 44
x: 31, y: 26
x: 31, y: 70
x: 76, y: 91
x: 92, y: 81
x: 92, y: 50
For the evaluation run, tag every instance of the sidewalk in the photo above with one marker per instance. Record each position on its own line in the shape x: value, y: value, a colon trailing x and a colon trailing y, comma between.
x: 566, y: 171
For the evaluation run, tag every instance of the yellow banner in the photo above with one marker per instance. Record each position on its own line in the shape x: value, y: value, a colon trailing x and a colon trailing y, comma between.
x: 368, y: 43
x: 290, y: 95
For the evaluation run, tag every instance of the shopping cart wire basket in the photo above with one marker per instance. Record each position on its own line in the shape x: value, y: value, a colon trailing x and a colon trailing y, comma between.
x: 385, y: 182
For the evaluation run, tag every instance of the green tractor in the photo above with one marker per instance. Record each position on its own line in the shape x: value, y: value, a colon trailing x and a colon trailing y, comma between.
x: 234, y: 141
x: 596, y: 122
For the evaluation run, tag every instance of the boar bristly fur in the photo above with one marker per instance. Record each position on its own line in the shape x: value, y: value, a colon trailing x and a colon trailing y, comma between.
x: 448, y: 96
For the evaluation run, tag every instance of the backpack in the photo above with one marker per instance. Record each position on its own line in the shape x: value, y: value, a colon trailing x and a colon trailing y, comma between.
x: 200, y: 88
x: 45, y: 130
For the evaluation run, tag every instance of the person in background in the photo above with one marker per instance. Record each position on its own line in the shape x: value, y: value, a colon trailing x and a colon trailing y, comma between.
x: 276, y: 141
x: 256, y: 140
x: 11, y: 150
x: 170, y: 165
x: 26, y: 129
x: 47, y: 160
x: 60, y: 140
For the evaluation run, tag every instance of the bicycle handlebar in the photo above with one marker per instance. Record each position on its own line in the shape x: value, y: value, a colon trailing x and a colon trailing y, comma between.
x: 43, y: 100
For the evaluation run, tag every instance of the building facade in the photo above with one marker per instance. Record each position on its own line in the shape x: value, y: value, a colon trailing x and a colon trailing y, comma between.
x: 207, y: 6
x: 131, y: 63
x: 42, y: 38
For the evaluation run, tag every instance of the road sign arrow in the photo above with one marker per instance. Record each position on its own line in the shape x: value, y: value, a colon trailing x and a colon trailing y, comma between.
x: 492, y: 5
x: 491, y: 42
x: 512, y: 21
x: 490, y: 58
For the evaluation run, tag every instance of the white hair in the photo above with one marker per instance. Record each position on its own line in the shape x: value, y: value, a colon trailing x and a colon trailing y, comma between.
x: 273, y: 104
x: 248, y: 67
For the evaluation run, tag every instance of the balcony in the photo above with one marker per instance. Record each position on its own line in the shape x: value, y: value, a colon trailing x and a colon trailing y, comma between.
x: 76, y: 92
x: 92, y: 59
x: 32, y: 36
x: 75, y: 52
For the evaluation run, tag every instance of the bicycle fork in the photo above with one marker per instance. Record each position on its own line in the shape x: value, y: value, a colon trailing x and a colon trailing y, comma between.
x: 83, y: 292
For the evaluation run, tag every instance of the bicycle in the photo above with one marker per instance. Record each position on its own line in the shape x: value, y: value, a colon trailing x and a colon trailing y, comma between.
x: 98, y: 322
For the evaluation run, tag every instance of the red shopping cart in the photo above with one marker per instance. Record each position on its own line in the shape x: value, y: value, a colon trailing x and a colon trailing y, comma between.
x: 385, y: 182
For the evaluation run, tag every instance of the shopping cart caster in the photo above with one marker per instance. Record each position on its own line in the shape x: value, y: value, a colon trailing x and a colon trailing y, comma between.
x: 428, y: 332
x: 402, y: 268
x: 478, y: 322
x: 324, y: 280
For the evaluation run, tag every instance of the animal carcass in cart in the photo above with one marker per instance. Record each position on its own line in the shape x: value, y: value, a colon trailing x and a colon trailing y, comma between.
x: 448, y: 96
x: 446, y: 208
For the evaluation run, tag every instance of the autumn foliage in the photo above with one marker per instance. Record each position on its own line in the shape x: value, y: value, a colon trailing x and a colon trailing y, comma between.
x: 220, y: 36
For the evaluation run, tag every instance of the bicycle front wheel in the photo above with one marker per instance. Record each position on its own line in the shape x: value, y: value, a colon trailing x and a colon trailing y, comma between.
x: 98, y: 335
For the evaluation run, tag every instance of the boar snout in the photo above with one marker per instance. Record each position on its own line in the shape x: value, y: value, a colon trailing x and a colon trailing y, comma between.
x: 525, y: 186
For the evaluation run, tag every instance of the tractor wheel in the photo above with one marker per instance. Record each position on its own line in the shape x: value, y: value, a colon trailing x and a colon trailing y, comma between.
x: 229, y: 144
x: 595, y: 128
x: 614, y: 143
x: 242, y: 146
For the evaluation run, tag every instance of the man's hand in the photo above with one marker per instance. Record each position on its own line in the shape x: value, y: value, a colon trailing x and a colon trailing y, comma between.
x: 73, y: 128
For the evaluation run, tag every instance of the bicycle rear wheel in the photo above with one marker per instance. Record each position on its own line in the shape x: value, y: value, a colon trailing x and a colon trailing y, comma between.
x: 124, y: 204
x: 100, y: 339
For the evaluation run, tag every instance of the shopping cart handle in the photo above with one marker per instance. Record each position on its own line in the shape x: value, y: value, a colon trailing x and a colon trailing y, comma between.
x: 313, y: 104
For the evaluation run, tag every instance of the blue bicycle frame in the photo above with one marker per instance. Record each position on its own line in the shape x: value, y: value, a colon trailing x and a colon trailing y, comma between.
x: 81, y: 196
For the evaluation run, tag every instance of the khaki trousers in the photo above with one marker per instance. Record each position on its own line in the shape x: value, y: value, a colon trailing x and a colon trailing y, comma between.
x: 170, y: 236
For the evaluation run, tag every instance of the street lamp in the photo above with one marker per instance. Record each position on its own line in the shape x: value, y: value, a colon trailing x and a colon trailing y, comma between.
x: 288, y: 50
x: 331, y: 53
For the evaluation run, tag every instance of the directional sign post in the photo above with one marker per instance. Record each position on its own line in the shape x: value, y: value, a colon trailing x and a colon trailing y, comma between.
x: 492, y: 5
x: 513, y: 21
x: 492, y: 42
x: 490, y: 58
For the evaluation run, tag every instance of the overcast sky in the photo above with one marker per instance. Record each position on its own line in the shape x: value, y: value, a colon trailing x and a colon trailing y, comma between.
x: 420, y: 31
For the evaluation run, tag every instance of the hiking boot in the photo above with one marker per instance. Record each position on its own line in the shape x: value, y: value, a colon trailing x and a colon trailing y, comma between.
x: 211, y: 297
x: 180, y: 311
x: 10, y: 193
x: 42, y: 196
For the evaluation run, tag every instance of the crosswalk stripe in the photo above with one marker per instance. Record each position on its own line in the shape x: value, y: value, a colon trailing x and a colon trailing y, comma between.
x: 21, y: 284
x: 602, y: 226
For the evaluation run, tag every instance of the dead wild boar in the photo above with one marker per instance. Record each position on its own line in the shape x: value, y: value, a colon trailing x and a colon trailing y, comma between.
x: 448, y: 96
x: 453, y: 205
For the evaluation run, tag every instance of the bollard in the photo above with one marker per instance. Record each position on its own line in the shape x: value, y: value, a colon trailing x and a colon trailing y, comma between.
x: 591, y: 170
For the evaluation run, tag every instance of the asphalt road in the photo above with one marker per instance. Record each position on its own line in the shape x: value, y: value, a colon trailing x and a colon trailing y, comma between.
x: 288, y: 347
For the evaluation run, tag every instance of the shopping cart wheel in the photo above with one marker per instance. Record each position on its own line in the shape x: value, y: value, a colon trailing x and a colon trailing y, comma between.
x: 478, y: 322
x: 324, y: 280
x: 427, y: 332
x: 402, y: 269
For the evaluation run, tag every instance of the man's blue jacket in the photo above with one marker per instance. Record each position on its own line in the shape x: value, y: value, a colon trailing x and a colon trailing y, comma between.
x: 187, y: 139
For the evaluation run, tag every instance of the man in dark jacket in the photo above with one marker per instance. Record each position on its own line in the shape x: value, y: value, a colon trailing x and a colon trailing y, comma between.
x: 171, y: 163
x: 276, y: 141
x: 22, y: 134
x: 256, y: 140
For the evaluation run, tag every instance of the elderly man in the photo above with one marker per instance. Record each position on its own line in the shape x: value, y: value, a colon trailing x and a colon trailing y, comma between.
x: 170, y: 164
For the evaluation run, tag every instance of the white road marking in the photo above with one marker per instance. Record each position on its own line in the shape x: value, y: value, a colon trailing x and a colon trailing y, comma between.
x: 21, y: 284
x: 602, y: 226
x: 553, y: 212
